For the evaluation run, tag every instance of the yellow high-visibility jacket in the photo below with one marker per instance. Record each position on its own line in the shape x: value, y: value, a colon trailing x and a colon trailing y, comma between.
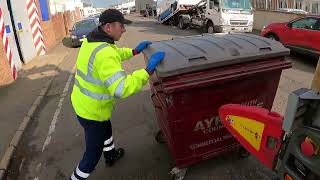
x: 100, y: 79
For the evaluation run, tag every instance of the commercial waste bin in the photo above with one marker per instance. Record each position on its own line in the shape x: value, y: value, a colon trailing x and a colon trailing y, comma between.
x: 202, y: 73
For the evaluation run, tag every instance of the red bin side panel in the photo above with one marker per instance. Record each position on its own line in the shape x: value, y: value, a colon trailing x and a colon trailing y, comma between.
x: 187, y: 106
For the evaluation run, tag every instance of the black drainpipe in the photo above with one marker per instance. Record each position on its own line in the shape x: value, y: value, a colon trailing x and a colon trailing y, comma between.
x: 14, y: 29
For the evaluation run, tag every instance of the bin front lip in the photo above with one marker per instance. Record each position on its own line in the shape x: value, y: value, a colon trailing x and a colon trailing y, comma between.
x: 172, y: 72
x: 180, y: 82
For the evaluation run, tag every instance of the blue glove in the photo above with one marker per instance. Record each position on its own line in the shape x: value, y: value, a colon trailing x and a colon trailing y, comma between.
x: 142, y: 46
x: 155, y: 59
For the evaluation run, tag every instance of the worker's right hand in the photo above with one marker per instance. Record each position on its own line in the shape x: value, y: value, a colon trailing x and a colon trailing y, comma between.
x: 154, y: 60
x: 141, y: 46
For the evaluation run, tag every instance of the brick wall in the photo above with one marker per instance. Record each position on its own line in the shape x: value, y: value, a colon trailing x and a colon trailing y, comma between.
x: 5, y: 72
x: 68, y: 20
x: 54, y: 30
x: 57, y: 28
x: 48, y: 34
x: 58, y: 24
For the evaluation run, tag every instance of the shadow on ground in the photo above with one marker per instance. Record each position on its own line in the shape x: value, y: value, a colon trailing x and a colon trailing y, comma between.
x: 303, y: 62
x: 24, y: 152
x: 17, y: 98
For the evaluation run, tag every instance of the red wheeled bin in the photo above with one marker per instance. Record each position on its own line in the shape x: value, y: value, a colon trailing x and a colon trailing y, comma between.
x: 202, y: 73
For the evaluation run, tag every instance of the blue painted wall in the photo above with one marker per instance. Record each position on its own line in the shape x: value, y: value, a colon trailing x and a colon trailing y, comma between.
x: 44, y: 10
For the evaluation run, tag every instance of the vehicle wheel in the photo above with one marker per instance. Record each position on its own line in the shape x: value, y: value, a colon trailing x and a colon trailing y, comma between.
x: 181, y: 24
x: 160, y: 137
x: 171, y: 22
x: 210, y: 28
x: 273, y: 37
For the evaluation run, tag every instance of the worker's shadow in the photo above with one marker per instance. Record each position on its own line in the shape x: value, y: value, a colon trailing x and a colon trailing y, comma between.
x: 16, y: 100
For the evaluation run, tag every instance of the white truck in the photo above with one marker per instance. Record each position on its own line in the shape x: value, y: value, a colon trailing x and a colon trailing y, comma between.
x: 217, y: 16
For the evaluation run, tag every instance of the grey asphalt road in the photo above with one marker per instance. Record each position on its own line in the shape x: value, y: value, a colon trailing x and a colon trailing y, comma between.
x: 53, y: 145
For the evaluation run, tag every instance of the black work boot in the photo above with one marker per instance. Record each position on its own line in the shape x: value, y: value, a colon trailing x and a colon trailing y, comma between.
x: 112, y: 158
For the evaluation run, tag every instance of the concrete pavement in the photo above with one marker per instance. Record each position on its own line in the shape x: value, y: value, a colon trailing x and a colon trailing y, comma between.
x: 20, y: 100
x: 53, y: 144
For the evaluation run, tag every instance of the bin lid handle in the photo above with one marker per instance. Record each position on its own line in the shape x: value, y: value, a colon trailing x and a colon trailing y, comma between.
x: 197, y: 58
x: 265, y: 49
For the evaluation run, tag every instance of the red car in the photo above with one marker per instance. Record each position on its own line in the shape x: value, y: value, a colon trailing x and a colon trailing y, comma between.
x: 302, y: 34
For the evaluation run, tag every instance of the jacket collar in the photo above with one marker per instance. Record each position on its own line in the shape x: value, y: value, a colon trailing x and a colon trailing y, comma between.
x: 98, y: 35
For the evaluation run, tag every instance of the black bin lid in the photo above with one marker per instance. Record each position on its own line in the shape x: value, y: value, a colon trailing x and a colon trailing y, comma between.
x: 194, y: 53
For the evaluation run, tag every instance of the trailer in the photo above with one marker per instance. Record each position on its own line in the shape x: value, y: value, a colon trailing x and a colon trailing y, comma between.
x: 213, y: 16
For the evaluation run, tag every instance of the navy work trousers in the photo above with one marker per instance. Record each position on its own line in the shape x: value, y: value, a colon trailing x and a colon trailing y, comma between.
x: 98, y: 137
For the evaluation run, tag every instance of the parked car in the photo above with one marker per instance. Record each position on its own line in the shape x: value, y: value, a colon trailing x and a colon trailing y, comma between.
x: 81, y: 29
x: 301, y: 35
x: 96, y: 16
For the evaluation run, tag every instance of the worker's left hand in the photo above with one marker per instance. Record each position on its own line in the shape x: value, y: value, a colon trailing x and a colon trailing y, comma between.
x: 154, y: 60
x: 142, y: 46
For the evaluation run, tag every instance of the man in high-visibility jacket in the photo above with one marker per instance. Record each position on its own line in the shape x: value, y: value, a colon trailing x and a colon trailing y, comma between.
x: 99, y: 81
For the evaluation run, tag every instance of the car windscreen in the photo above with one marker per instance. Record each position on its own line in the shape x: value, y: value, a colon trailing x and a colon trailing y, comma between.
x: 87, y: 24
x: 236, y: 4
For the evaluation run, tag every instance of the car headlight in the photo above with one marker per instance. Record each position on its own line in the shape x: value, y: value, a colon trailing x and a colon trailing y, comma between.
x: 73, y: 37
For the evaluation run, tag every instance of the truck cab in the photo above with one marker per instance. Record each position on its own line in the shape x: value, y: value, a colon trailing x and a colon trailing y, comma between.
x: 229, y: 16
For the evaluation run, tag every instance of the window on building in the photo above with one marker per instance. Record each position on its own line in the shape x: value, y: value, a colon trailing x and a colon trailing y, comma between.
x: 307, y: 7
x: 269, y: 4
x: 283, y: 4
x: 298, y: 5
x: 261, y: 4
x: 315, y: 8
